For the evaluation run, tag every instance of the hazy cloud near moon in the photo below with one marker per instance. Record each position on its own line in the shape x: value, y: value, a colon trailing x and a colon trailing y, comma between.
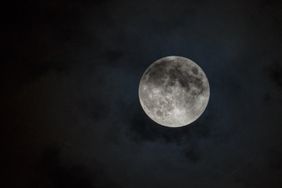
x: 71, y: 84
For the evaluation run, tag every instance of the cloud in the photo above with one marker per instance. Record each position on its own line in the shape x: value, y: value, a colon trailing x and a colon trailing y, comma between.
x: 57, y: 173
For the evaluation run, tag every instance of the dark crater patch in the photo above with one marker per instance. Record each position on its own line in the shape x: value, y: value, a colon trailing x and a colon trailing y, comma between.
x: 195, y: 70
x: 176, y: 72
x: 156, y: 73
x: 185, y: 79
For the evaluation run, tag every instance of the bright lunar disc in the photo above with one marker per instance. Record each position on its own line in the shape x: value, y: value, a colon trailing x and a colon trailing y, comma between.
x: 174, y: 91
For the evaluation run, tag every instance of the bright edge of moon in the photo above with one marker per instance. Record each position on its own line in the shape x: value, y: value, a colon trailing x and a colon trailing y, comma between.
x: 174, y: 91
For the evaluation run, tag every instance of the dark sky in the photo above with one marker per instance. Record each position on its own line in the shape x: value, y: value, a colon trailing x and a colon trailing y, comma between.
x: 71, y: 117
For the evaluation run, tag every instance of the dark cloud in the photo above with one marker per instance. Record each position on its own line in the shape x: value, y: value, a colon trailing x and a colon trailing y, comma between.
x: 113, y: 56
x: 57, y: 173
x: 192, y: 154
x: 275, y: 74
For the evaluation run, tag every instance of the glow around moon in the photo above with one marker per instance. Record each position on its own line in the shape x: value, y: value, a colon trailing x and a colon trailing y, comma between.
x: 174, y: 91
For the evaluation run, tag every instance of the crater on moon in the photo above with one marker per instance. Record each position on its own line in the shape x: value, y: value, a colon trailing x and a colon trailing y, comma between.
x: 174, y: 91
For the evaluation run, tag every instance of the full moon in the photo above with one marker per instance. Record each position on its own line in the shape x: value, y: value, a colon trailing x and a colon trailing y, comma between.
x: 174, y: 91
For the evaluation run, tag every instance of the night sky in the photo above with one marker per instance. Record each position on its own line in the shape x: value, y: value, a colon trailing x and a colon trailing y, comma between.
x: 71, y: 116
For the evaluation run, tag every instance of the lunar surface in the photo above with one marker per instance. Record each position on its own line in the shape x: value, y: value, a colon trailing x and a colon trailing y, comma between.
x: 174, y: 91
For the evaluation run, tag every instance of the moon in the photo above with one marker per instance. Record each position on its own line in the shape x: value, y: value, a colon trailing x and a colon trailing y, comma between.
x: 174, y: 91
